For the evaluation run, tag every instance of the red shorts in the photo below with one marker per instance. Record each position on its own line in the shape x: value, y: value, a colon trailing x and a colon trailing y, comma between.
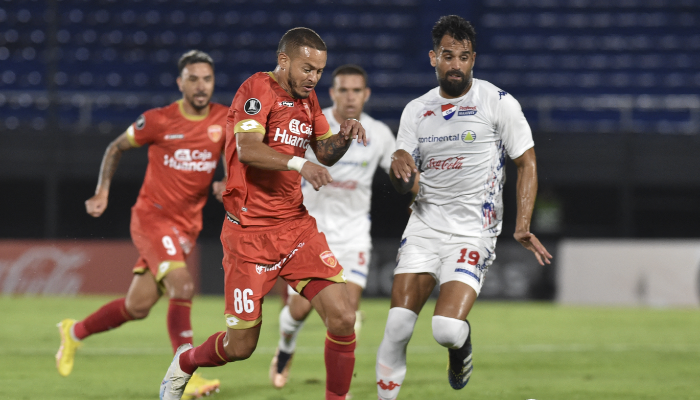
x: 255, y: 256
x: 162, y: 245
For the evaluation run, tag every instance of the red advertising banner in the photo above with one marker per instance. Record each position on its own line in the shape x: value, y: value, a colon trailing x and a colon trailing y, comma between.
x: 70, y: 267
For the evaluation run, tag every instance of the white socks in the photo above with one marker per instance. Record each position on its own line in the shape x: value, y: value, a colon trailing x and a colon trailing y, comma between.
x: 450, y: 332
x: 289, y: 329
x: 72, y: 332
x: 391, y: 356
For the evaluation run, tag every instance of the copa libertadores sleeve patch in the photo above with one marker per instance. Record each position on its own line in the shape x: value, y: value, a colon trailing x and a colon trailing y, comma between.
x: 252, y: 106
x: 140, y: 122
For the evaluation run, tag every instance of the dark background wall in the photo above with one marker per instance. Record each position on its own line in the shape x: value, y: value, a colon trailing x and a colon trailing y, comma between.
x: 609, y: 87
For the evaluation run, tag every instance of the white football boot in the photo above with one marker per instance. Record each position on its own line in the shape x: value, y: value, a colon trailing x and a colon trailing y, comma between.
x: 175, y: 380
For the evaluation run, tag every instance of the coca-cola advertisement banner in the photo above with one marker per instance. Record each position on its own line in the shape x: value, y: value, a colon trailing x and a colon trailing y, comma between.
x: 70, y: 267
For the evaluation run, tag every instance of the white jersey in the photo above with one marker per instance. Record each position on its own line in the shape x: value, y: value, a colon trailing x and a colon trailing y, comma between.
x: 459, y: 146
x: 341, y: 208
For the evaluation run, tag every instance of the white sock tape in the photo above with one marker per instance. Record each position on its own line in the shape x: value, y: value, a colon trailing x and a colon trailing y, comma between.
x: 295, y: 163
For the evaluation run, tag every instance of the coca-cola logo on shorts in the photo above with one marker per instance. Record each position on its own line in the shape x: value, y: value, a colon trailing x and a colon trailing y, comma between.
x: 448, y: 163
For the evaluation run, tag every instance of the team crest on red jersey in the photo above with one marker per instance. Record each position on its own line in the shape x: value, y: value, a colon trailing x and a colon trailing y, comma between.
x: 215, y: 132
x: 448, y: 111
x: 329, y: 259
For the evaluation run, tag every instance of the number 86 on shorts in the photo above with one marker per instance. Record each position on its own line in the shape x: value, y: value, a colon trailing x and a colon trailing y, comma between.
x: 241, y: 310
x: 241, y: 302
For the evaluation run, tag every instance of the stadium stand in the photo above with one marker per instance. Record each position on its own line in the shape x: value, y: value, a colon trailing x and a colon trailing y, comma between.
x: 111, y: 58
x: 575, y: 65
x: 596, y: 66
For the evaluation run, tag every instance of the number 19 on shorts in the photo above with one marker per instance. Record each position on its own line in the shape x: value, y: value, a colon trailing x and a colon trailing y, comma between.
x: 473, y: 257
x: 241, y: 302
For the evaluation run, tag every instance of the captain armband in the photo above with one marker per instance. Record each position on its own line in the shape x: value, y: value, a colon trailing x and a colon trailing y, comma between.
x: 249, y: 125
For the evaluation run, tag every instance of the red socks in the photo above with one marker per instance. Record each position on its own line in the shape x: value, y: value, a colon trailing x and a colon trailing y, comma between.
x: 339, y: 356
x: 110, y: 316
x: 208, y: 354
x: 340, y: 361
x: 113, y: 314
x: 179, y: 324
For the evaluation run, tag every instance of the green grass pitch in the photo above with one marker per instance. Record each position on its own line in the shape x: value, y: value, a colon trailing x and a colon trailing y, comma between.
x: 521, y: 351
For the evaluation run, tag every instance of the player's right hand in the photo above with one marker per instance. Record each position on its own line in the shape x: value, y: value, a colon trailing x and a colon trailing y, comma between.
x: 352, y: 129
x: 97, y: 204
x: 402, y: 165
x: 530, y: 242
x: 316, y: 175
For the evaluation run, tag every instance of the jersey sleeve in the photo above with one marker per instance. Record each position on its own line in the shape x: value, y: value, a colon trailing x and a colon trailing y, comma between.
x: 513, y: 127
x: 388, y: 147
x: 322, y: 130
x: 250, y: 107
x: 407, y: 138
x: 145, y: 129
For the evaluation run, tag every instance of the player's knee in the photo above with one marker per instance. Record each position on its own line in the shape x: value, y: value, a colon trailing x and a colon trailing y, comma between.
x: 343, y: 323
x: 185, y: 291
x: 450, y: 332
x: 299, y: 307
x: 138, y: 311
x: 400, y: 324
x: 179, y: 284
x: 180, y: 289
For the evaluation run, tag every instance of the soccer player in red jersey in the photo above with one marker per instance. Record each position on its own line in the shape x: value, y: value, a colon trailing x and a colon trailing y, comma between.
x: 268, y: 233
x: 185, y: 141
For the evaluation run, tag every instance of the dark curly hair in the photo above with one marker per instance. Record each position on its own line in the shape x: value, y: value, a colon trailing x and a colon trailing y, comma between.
x: 455, y: 26
x: 193, y: 57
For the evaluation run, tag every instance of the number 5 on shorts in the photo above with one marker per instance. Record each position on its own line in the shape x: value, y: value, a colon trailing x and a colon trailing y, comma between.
x: 241, y: 301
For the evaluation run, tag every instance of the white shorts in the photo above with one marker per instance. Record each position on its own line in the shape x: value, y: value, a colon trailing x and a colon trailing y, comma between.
x: 355, y: 262
x: 445, y: 256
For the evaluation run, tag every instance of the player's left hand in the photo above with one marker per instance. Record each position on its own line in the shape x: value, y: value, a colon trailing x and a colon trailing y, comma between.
x: 352, y: 129
x: 218, y: 188
x: 530, y: 242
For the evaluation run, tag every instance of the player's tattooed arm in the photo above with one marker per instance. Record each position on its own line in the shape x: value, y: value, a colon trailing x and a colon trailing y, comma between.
x: 526, y: 194
x: 97, y: 204
x: 110, y: 160
x: 330, y: 150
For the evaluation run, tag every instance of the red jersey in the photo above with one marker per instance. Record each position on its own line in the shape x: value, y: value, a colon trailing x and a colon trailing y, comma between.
x: 182, y: 156
x: 264, y: 197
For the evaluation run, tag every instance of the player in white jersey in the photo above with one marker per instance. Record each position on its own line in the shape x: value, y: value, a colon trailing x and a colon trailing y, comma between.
x: 341, y: 208
x: 456, y: 137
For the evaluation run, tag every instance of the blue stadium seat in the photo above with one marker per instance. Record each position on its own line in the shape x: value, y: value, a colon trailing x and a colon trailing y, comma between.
x: 530, y: 47
x: 508, y: 79
x: 676, y: 80
x: 619, y: 80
